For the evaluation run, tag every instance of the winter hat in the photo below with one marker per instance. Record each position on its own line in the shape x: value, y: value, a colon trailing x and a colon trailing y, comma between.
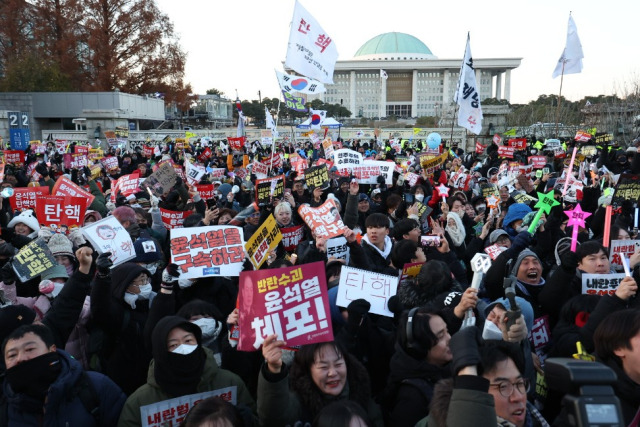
x: 562, y: 247
x: 516, y: 212
x: 59, y: 244
x: 14, y: 316
x: 525, y: 307
x: 495, y: 235
x: 525, y: 253
x: 336, y: 314
x: 224, y: 189
x: 92, y: 214
x: 27, y: 218
x: 56, y: 272
x: 147, y: 251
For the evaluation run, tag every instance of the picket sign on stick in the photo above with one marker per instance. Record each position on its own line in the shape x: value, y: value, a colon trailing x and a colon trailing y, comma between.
x: 576, y: 219
x: 569, y: 169
x: 480, y: 264
x: 544, y: 205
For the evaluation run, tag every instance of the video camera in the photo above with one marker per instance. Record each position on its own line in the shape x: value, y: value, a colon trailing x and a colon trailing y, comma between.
x: 589, y: 398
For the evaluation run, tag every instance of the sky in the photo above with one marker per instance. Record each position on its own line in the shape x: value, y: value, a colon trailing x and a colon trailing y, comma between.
x: 236, y: 45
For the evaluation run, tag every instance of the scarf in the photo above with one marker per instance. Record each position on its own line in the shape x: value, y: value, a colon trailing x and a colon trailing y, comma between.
x: 457, y: 233
x: 387, y: 246
x: 35, y: 376
x: 179, y: 374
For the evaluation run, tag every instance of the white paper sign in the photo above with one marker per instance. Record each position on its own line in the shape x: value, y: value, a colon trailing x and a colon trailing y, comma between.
x: 373, y: 287
x: 108, y: 235
x: 194, y: 173
x: 337, y: 248
x: 173, y: 411
x: 216, y: 250
x: 345, y: 158
x: 601, y: 284
x: 620, y: 247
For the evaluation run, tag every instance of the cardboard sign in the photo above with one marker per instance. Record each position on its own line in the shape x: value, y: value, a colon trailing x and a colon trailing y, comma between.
x: 161, y: 180
x: 506, y: 152
x: 208, y: 251
x: 206, y: 191
x: 409, y: 272
x: 494, y: 250
x: 291, y: 237
x: 345, y: 158
x: 324, y: 220
x: 25, y: 197
x: 538, y: 162
x: 173, y: 219
x: 291, y: 302
x: 268, y: 189
x: 373, y: 287
x: 65, y: 187
x: 173, y: 412
x: 263, y: 240
x: 627, y: 188
x: 61, y: 214
x: 618, y: 248
x: 337, y: 248
x: 108, y: 235
x: 33, y: 260
x: 601, y: 284
x: 317, y: 177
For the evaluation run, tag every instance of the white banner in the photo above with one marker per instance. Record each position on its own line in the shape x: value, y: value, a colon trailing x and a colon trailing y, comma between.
x: 311, y: 52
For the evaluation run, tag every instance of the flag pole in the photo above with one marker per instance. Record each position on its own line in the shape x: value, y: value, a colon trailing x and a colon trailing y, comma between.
x: 455, y: 113
x: 273, y: 142
x: 559, y: 99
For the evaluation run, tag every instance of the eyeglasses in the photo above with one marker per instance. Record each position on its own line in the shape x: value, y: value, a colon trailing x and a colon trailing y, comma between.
x: 506, y: 388
x: 140, y: 281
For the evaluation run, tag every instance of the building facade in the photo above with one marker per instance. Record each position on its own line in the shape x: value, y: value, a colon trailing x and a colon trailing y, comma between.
x: 396, y: 74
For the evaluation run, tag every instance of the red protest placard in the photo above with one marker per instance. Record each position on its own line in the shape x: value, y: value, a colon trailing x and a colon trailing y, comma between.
x: 324, y: 220
x: 81, y: 149
x: 74, y: 161
x: 206, y: 191
x: 291, y: 236
x: 205, y: 155
x: 110, y: 162
x: 128, y: 184
x: 518, y: 143
x: 14, y: 157
x: 25, y: 198
x: 173, y: 219
x: 480, y: 148
x: 291, y: 302
x: 538, y: 162
x: 324, y: 162
x: 61, y: 213
x: 506, y: 152
x: 236, y: 144
x: 219, y: 173
x: 65, y: 187
x: 147, y: 151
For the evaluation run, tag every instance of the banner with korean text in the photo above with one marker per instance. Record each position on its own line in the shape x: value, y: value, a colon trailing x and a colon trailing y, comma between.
x: 25, y: 197
x: 268, y: 189
x: 618, y: 248
x: 374, y: 287
x: 65, y: 187
x: 291, y: 237
x: 173, y: 219
x: 33, y: 260
x: 291, y: 302
x: 601, y: 284
x: 61, y: 214
x: 317, y: 177
x: 263, y: 240
x: 324, y: 220
x: 208, y: 251
x: 161, y: 180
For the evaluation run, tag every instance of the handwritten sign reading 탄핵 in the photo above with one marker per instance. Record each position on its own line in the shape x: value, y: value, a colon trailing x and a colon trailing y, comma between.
x: 373, y: 287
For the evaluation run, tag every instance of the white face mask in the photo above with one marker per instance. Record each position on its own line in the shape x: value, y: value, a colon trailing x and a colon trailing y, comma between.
x: 491, y: 331
x: 210, y: 327
x: 152, y: 268
x: 130, y: 299
x: 145, y: 292
x: 184, y: 349
x: 420, y: 197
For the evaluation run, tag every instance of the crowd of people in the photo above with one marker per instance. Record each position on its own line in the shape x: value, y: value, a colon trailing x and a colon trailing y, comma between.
x: 89, y: 343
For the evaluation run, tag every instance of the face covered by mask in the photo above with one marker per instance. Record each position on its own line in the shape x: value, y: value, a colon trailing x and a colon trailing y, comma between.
x: 185, y: 349
x: 210, y: 328
x: 145, y: 293
x: 50, y: 289
x: 35, y: 376
x: 419, y: 197
x: 491, y: 331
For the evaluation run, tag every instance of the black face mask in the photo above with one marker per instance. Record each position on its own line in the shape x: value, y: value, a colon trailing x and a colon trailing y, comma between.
x: 35, y: 376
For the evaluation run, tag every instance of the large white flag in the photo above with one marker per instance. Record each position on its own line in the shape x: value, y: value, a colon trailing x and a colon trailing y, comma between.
x: 310, y: 52
x: 570, y: 61
x: 317, y: 117
x: 269, y: 121
x: 467, y: 97
x: 292, y: 83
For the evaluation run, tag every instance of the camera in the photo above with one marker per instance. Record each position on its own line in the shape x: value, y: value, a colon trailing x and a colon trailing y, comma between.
x: 589, y: 398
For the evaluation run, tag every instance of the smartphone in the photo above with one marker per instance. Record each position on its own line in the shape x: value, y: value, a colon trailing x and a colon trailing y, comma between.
x: 287, y: 191
x: 545, y: 171
x: 211, y: 203
x: 431, y: 240
x: 408, y: 197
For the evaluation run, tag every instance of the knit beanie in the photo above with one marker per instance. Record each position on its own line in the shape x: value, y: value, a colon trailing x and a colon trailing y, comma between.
x: 525, y: 253
x: 59, y: 244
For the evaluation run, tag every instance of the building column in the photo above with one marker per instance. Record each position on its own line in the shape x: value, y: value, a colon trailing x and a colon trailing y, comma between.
x: 353, y: 107
x: 414, y: 94
x: 507, y: 85
x: 445, y: 87
x: 499, y: 86
x: 382, y: 108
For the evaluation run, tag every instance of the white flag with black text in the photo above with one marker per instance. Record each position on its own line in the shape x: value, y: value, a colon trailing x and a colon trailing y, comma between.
x: 467, y: 96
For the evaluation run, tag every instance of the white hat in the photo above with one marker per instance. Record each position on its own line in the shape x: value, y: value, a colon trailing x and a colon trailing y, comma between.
x: 27, y: 218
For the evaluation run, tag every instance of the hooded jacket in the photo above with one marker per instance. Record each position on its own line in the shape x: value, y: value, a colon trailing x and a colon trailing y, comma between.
x: 62, y: 405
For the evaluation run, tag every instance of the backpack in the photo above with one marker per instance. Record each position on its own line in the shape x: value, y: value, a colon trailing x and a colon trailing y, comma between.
x: 83, y: 389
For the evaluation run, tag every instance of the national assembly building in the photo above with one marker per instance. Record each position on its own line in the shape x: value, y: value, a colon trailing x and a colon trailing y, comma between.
x: 396, y: 74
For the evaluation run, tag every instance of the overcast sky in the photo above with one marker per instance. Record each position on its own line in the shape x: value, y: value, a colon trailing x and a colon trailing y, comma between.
x: 237, y: 44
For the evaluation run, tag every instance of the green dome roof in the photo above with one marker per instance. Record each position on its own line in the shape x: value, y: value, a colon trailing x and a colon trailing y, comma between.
x: 394, y: 46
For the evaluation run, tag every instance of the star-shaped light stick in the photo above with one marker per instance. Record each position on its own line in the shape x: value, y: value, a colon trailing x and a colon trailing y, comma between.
x: 492, y: 202
x: 544, y: 205
x: 443, y: 190
x: 576, y: 219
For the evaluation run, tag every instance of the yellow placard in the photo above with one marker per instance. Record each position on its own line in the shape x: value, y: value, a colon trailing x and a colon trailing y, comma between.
x: 263, y: 240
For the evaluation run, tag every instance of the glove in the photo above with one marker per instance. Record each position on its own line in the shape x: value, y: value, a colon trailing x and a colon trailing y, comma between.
x: 45, y: 234
x: 76, y: 237
x: 357, y: 309
x: 517, y: 332
x: 19, y: 241
x: 111, y: 206
x: 7, y: 250
x: 464, y: 347
x: 154, y: 201
x: 7, y: 274
x: 42, y: 169
x: 569, y: 262
x: 171, y: 274
x: 87, y: 172
x: 521, y: 241
x: 104, y: 263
